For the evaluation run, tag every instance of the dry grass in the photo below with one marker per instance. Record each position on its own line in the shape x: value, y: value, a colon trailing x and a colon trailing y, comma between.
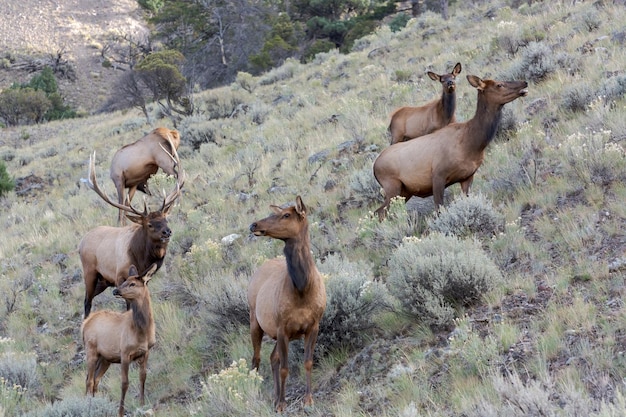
x: 549, y: 337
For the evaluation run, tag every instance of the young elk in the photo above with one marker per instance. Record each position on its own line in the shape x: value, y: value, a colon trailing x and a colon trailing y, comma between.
x: 426, y: 165
x: 107, y: 252
x: 113, y: 337
x: 286, y: 296
x: 411, y: 122
x: 133, y: 164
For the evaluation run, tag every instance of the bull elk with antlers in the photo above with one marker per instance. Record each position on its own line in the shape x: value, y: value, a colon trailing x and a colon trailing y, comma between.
x: 133, y: 164
x: 411, y: 122
x: 107, y: 252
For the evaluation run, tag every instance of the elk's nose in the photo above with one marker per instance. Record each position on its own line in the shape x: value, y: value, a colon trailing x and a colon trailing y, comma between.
x: 116, y: 292
x: 253, y: 227
x: 167, y: 232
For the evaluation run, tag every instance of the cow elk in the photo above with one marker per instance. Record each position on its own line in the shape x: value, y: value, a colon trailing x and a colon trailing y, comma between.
x: 411, y: 122
x: 427, y: 165
x: 114, y: 337
x: 107, y: 252
x: 133, y: 164
x: 287, y: 296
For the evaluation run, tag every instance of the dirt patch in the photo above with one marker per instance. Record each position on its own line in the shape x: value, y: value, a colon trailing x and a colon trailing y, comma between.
x: 78, y: 28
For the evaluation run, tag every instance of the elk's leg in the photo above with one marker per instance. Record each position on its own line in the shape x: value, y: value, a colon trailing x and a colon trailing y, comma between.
x: 275, y: 364
x: 439, y: 186
x: 91, y: 368
x: 465, y: 185
x: 121, y: 196
x: 143, y: 365
x: 91, y: 281
x: 309, y: 346
x: 256, y: 335
x: 124, y: 365
x: 282, y: 345
x: 101, y: 368
x: 392, y: 189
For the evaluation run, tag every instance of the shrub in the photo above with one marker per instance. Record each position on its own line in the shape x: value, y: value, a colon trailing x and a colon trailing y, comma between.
x: 77, y: 407
x: 23, y: 106
x: 536, y: 63
x: 7, y: 183
x: 18, y: 368
x: 399, y: 22
x: 466, y: 216
x: 432, y: 276
x: 232, y: 392
x: 320, y: 45
x: 365, y: 186
x: 577, y: 97
x: 353, y: 301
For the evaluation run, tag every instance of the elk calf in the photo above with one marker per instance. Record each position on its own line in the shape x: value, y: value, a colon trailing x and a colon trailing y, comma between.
x: 113, y: 337
x: 411, y: 122
x: 287, y: 297
x: 426, y: 165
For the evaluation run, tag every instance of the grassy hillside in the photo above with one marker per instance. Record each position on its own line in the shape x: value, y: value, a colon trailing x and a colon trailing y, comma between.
x: 547, y: 338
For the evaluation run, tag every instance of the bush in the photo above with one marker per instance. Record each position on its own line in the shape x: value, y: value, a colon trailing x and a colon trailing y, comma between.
x: 78, y: 407
x: 433, y: 276
x: 18, y: 368
x: 320, y: 45
x: 353, y: 301
x: 536, y: 63
x: 7, y: 183
x: 23, y: 106
x: 577, y: 97
x: 467, y: 216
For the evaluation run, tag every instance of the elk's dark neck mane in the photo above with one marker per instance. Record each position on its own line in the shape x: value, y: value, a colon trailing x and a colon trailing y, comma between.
x: 299, y: 260
x: 144, y: 252
x: 142, y: 314
x: 484, y: 124
x: 447, y: 105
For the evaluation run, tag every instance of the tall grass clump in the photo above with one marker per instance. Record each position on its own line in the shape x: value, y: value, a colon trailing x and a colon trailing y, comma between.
x: 77, y: 406
x: 431, y: 277
x: 467, y: 216
x: 232, y: 392
x: 353, y: 302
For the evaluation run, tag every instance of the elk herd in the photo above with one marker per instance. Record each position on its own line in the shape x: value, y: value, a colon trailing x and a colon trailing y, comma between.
x: 429, y: 151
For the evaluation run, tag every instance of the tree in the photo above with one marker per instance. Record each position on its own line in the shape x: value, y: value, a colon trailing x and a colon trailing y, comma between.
x: 23, y: 105
x: 160, y: 72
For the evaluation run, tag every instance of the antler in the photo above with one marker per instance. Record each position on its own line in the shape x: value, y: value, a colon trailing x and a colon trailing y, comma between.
x: 93, y: 184
x: 169, y: 199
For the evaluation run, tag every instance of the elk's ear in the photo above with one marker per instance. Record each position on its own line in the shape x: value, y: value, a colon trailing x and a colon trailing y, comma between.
x: 132, y: 271
x: 275, y: 209
x: 147, y: 275
x: 300, y: 207
x: 433, y: 76
x: 457, y: 69
x: 476, y: 82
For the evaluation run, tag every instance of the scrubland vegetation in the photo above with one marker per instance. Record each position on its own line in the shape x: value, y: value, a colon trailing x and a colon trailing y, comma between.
x: 509, y: 303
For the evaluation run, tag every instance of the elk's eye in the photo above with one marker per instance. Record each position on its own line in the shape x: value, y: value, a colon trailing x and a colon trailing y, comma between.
x: 286, y: 215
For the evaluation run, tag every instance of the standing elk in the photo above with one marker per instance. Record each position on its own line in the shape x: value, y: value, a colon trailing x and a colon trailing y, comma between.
x: 427, y: 165
x: 107, y: 252
x: 411, y: 122
x: 114, y: 337
x: 133, y: 164
x: 287, y: 296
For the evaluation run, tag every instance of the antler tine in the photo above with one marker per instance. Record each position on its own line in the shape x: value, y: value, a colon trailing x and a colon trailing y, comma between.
x: 170, y: 198
x: 93, y: 184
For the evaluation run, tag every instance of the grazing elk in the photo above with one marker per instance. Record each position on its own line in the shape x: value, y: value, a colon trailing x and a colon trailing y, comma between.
x: 286, y: 296
x: 426, y: 165
x: 114, y: 337
x: 411, y: 122
x: 133, y: 164
x: 107, y: 252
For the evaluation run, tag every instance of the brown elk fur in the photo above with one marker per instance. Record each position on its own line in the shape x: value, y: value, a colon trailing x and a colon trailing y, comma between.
x: 411, y: 122
x: 133, y: 164
x: 113, y: 337
x: 286, y: 296
x: 426, y: 165
x: 107, y: 252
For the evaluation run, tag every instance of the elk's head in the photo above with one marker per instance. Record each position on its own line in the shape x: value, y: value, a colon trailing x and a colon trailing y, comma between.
x: 448, y: 81
x: 133, y: 287
x: 499, y: 92
x: 284, y: 224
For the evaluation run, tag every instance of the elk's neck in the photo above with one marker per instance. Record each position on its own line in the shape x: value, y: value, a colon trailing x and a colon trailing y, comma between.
x: 142, y: 316
x: 300, y: 263
x: 484, y: 124
x: 447, y: 106
x: 144, y: 252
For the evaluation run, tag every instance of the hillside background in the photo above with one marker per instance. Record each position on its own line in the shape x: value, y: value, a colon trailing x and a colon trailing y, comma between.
x: 546, y: 338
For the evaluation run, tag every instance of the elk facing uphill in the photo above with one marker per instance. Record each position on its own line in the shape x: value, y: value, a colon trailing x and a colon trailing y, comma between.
x: 286, y: 296
x: 113, y: 337
x: 411, y: 122
x: 107, y: 252
x: 426, y: 165
x: 133, y: 164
